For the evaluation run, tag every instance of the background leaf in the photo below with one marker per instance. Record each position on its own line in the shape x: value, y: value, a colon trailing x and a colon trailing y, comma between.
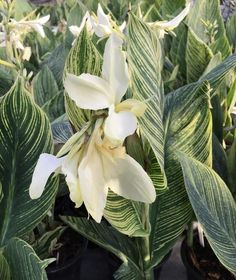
x: 4, y: 269
x: 24, y: 134
x: 23, y: 262
x: 214, y: 207
x: 145, y: 63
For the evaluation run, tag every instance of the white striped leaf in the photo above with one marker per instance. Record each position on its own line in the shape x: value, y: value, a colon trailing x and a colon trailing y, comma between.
x: 188, y: 128
x: 198, y: 55
x: 4, y: 269
x: 83, y: 58
x: 23, y: 261
x: 145, y: 63
x: 24, y: 135
x: 214, y: 207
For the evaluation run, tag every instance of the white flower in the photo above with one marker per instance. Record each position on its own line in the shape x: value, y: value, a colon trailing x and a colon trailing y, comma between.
x: 94, y: 93
x: 75, y: 30
x: 92, y: 170
x: 103, y: 25
x: 37, y: 25
x: 164, y: 26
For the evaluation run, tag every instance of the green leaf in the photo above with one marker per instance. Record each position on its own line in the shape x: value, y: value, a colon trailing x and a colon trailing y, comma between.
x: 107, y: 237
x: 47, y: 94
x: 5, y: 273
x: 214, y: 207
x: 83, y: 58
x: 231, y: 30
x: 24, y: 135
x: 206, y: 22
x: 56, y: 63
x: 219, y: 159
x: 1, y: 193
x: 145, y: 63
x: 198, y: 55
x: 178, y: 48
x: 22, y: 9
x: 23, y: 261
x: 61, y: 131
x: 44, y: 86
x: 188, y: 128
x: 6, y: 81
x: 170, y: 7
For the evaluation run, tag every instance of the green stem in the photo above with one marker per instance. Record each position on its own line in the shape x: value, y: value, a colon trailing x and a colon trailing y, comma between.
x: 148, y: 273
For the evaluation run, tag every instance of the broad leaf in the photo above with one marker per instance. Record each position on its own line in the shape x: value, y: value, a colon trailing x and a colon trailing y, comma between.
x: 188, y: 128
x: 24, y: 135
x: 170, y: 7
x: 4, y: 269
x: 198, y: 55
x: 23, y: 261
x: 83, y: 58
x: 214, y: 207
x: 145, y: 63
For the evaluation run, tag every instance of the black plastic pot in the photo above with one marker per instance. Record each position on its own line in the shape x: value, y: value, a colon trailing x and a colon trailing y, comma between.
x: 98, y: 264
x: 210, y: 267
x: 191, y: 271
x: 158, y: 268
x: 68, y: 270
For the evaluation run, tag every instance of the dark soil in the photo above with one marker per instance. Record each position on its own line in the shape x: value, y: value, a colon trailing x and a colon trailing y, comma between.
x: 205, y: 261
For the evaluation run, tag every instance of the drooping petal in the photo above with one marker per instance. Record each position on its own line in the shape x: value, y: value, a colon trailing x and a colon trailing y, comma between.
x: 172, y: 24
x: 88, y: 91
x: 70, y: 169
x: 115, y: 69
x: 46, y: 165
x: 92, y: 183
x: 101, y: 24
x: 75, y: 30
x: 135, y: 106
x: 102, y: 17
x: 119, y: 125
x: 36, y: 24
x: 126, y: 177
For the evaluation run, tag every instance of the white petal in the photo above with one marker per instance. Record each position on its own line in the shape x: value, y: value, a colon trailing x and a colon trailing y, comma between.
x: 119, y: 125
x: 127, y: 178
x: 170, y: 25
x: 115, y: 69
x: 46, y: 165
x: 135, y: 106
x: 75, y: 30
x: 102, y: 17
x: 88, y: 91
x: 38, y: 28
x: 70, y: 169
x: 92, y: 182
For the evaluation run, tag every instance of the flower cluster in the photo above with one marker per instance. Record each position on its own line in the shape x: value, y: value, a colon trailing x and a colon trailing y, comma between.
x: 96, y: 159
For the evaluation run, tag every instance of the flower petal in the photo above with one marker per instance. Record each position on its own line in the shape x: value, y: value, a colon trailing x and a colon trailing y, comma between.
x: 102, y: 17
x: 172, y: 24
x: 46, y: 165
x: 70, y: 169
x: 135, y: 106
x: 88, y: 91
x: 92, y: 182
x: 75, y: 30
x: 126, y: 177
x: 119, y: 125
x: 115, y: 69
